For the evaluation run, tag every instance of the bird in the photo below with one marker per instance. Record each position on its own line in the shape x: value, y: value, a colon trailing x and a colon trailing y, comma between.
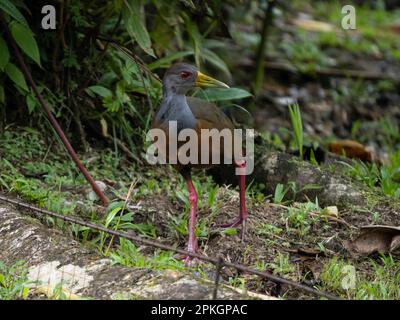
x: 196, y: 114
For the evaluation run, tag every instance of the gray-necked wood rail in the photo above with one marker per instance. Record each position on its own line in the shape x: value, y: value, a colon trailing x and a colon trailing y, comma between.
x: 196, y: 114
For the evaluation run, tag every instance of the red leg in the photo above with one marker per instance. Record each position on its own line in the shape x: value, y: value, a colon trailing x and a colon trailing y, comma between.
x: 241, y: 220
x: 242, y: 190
x: 192, y: 243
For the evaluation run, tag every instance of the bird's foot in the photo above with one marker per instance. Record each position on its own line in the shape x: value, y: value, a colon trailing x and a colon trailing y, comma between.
x: 190, y: 261
x: 238, y: 221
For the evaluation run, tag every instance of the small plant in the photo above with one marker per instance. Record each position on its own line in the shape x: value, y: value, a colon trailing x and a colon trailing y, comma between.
x: 280, y: 193
x: 269, y: 229
x: 332, y: 276
x: 297, y: 126
x: 237, y: 282
x: 129, y: 255
x: 386, y: 177
x: 384, y: 283
x: 261, y: 265
x: 13, y: 281
x: 281, y: 265
x: 299, y: 218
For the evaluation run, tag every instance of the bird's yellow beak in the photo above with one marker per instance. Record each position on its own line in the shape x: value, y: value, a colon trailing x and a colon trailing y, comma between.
x: 203, y: 80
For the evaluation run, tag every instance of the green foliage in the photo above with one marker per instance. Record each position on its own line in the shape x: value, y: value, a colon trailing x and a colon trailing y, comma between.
x: 24, y: 38
x: 216, y: 94
x: 382, y: 284
x: 10, y: 9
x: 281, y: 265
x: 279, y: 193
x: 299, y: 217
x: 129, y: 255
x: 5, y: 54
x: 131, y: 13
x: 111, y: 83
x: 16, y: 76
x: 305, y: 55
x: 14, y: 282
x: 297, y: 126
x: 387, y: 176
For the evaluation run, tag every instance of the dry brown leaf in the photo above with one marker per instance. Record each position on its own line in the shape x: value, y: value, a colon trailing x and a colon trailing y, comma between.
x: 351, y: 149
x: 375, y: 238
x: 331, y: 211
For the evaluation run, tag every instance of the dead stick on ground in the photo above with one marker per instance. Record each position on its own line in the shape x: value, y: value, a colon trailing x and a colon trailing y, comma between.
x: 50, y: 116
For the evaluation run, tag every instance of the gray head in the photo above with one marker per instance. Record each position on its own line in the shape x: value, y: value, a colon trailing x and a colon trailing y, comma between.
x: 182, y: 77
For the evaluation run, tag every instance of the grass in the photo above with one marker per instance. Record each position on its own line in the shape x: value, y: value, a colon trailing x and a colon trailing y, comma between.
x: 297, y: 127
x: 129, y: 255
x: 14, y: 282
x: 385, y: 177
x: 381, y: 284
x: 281, y: 265
x: 299, y: 217
x: 372, y: 35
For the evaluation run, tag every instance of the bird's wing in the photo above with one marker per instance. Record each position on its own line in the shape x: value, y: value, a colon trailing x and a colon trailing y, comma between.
x: 209, y: 116
x: 209, y: 113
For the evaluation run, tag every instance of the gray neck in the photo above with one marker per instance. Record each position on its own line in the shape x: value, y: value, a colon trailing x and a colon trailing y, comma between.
x: 174, y: 107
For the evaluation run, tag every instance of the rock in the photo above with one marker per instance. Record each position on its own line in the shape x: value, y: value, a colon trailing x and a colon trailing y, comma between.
x: 55, y: 261
x: 272, y: 168
x: 91, y: 195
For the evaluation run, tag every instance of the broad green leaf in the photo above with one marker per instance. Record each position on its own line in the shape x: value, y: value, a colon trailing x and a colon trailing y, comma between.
x: 16, y: 76
x: 238, y: 107
x: 214, y: 59
x: 8, y: 7
x: 135, y: 26
x: 197, y: 38
x: 31, y: 102
x: 219, y: 94
x: 166, y: 61
x: 100, y: 90
x: 25, y: 40
x: 4, y: 53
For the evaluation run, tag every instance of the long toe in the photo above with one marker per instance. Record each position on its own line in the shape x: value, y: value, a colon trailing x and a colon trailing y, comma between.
x: 232, y: 224
x: 190, y: 261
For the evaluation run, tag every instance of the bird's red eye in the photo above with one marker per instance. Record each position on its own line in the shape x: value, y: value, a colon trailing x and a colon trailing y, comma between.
x: 185, y: 74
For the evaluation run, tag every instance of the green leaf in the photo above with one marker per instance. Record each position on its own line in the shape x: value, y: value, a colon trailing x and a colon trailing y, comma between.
x: 238, y: 107
x: 111, y: 216
x: 215, y: 60
x: 196, y: 37
x: 99, y: 90
x: 16, y: 76
x: 31, y: 102
x: 8, y: 7
x: 295, y: 117
x: 25, y: 40
x: 230, y: 231
x: 219, y: 94
x: 2, y: 95
x: 4, y: 53
x: 135, y: 26
x: 166, y: 61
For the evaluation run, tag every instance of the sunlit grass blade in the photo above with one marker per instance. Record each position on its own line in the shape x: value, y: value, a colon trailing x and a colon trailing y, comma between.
x: 297, y: 125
